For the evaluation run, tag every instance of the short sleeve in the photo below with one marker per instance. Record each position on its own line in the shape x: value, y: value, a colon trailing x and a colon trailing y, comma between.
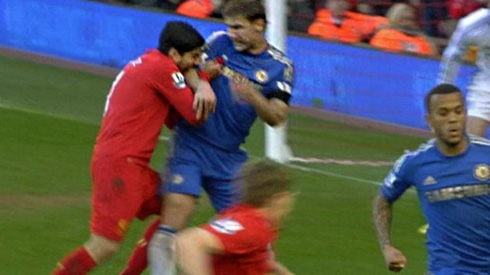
x: 397, y: 181
x: 171, y: 84
x: 282, y: 85
x: 239, y: 237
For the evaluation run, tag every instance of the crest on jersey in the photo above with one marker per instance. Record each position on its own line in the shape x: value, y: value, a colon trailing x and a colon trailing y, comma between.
x: 482, y: 172
x: 179, y: 80
x: 261, y: 76
x: 227, y: 226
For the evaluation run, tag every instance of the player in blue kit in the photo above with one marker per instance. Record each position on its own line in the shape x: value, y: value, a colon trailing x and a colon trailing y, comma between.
x: 255, y: 80
x: 452, y: 176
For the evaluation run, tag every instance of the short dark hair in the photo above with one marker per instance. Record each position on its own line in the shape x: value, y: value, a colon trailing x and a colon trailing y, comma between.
x: 250, y: 9
x: 440, y: 89
x: 261, y: 180
x: 180, y: 36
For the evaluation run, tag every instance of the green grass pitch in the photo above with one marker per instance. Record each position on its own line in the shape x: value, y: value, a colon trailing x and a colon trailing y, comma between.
x: 50, y: 117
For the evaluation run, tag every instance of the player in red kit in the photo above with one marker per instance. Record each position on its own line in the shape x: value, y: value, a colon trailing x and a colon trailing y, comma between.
x: 239, y: 240
x: 149, y: 92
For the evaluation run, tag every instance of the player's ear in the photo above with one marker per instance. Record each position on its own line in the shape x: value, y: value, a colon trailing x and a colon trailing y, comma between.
x: 259, y: 25
x: 174, y: 55
x: 428, y: 119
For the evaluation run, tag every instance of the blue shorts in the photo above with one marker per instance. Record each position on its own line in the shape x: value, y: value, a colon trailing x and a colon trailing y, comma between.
x: 193, y: 167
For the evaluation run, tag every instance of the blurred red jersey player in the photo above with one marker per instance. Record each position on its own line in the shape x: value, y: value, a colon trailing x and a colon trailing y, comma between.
x: 149, y: 92
x: 239, y: 240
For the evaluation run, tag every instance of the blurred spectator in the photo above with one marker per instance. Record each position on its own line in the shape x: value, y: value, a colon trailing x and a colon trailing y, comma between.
x: 196, y: 8
x: 337, y: 23
x: 461, y: 8
x: 403, y: 34
x: 301, y: 14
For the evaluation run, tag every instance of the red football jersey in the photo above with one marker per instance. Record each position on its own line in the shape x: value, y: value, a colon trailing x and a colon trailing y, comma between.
x: 247, y: 238
x: 149, y: 92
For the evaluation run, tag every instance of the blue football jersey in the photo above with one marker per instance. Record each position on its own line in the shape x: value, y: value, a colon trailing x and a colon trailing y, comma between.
x: 454, y: 192
x: 270, y: 71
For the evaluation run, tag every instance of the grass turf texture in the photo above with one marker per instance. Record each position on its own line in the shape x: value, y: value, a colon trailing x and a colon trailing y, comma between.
x: 49, y: 120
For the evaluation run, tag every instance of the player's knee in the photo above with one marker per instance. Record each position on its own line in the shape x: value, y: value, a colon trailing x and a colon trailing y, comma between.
x: 101, y: 248
x: 181, y: 202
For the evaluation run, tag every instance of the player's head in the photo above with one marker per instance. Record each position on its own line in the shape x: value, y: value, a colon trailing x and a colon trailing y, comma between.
x: 403, y: 15
x: 246, y: 21
x: 266, y: 184
x: 337, y: 7
x: 181, y: 42
x: 446, y: 114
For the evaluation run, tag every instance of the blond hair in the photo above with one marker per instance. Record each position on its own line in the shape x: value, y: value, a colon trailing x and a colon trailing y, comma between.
x: 396, y: 11
x: 261, y: 180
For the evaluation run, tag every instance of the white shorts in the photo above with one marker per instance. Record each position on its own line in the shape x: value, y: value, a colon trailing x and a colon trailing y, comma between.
x: 478, y: 100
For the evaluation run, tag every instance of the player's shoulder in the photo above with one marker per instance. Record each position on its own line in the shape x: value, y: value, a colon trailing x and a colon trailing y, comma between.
x: 412, y: 158
x: 475, y: 18
x: 218, y: 37
x: 239, y: 218
x: 279, y: 56
x: 480, y: 142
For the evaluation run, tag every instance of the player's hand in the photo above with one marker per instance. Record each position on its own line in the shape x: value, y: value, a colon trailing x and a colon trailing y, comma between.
x: 212, y: 68
x: 394, y: 258
x: 242, y: 88
x: 204, y: 100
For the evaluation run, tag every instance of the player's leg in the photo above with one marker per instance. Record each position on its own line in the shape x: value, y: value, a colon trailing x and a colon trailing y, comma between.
x: 116, y: 199
x: 182, y: 186
x: 138, y: 261
x: 222, y: 193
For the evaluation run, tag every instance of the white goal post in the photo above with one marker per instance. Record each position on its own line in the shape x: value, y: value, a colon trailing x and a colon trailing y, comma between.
x: 276, y: 146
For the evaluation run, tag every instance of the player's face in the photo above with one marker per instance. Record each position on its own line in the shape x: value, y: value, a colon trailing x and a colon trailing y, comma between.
x: 447, y: 118
x: 283, y: 204
x: 337, y: 7
x: 245, y: 34
x: 189, y: 59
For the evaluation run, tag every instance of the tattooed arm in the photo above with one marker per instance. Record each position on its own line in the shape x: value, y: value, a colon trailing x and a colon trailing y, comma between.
x: 382, y: 213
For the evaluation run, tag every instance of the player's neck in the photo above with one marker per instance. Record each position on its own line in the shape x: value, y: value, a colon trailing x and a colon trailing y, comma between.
x: 455, y: 150
x: 269, y: 215
x: 259, y: 47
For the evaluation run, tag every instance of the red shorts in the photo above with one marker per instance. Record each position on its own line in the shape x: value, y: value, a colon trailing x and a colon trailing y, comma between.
x: 122, y: 190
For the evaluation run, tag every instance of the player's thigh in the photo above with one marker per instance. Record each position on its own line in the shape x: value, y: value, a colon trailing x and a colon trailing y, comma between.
x: 118, y: 194
x: 222, y: 193
x: 183, y: 177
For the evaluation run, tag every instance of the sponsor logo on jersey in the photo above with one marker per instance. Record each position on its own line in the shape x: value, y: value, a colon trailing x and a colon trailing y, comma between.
x: 179, y: 80
x: 482, y: 172
x: 226, y: 226
x: 429, y: 181
x: 177, y: 179
x: 261, y: 76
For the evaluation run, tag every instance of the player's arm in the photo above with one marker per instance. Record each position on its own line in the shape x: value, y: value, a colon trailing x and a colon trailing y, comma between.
x: 453, y: 55
x: 204, y: 97
x: 382, y: 214
x: 279, y: 269
x: 272, y: 111
x: 195, y: 246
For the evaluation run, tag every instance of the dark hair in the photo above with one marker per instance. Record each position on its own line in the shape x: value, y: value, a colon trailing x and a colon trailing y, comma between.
x: 261, y: 180
x: 180, y: 36
x: 440, y: 89
x: 250, y: 9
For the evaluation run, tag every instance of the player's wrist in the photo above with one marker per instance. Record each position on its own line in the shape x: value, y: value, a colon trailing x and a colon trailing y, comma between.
x: 204, y: 76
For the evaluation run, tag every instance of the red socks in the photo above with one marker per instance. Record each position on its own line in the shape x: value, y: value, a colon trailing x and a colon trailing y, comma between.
x: 139, y: 259
x: 78, y: 262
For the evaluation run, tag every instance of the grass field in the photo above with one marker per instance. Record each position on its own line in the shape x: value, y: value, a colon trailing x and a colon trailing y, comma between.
x: 49, y: 120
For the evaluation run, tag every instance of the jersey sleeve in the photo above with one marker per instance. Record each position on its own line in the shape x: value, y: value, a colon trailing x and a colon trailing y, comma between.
x: 282, y: 85
x: 170, y: 83
x: 238, y: 237
x: 397, y: 181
